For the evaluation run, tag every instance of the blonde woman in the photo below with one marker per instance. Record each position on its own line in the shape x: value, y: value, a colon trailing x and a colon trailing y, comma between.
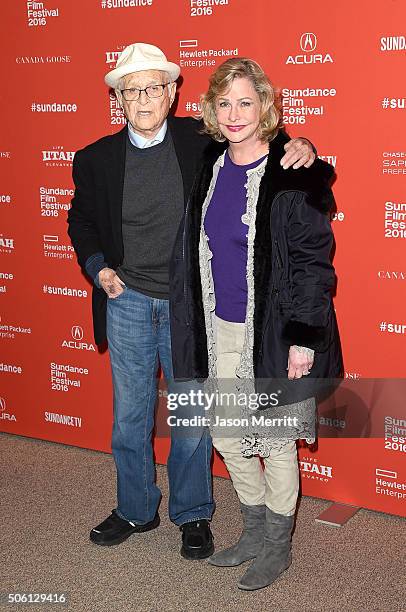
x: 251, y: 297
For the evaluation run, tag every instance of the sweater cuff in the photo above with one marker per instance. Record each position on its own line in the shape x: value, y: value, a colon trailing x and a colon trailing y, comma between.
x: 304, y: 349
x: 93, y: 265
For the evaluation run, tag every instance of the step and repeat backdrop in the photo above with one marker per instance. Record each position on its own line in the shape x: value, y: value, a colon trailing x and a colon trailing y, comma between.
x: 340, y: 68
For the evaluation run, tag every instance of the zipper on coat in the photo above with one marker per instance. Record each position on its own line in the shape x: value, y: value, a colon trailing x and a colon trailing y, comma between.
x: 185, y: 293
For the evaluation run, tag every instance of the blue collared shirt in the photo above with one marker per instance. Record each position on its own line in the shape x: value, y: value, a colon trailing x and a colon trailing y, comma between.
x: 144, y: 143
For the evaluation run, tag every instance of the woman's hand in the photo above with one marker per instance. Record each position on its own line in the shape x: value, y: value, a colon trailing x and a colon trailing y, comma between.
x: 300, y: 361
x: 299, y: 152
x: 111, y: 283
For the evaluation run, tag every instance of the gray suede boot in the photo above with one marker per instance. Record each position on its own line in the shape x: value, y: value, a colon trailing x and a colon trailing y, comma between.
x: 275, y: 556
x: 250, y: 542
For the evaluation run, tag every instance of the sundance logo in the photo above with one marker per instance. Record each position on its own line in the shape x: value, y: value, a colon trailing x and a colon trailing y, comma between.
x: 11, y: 368
x: 76, y: 342
x: 393, y: 43
x: 308, y: 44
x: 5, y: 416
x: 332, y: 422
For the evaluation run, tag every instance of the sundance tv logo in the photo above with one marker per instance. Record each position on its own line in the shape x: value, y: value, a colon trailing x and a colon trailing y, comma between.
x: 4, y: 415
x: 76, y: 340
x: 62, y: 419
x: 308, y: 44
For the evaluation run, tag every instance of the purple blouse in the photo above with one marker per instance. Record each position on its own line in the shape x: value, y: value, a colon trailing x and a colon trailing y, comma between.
x: 227, y: 236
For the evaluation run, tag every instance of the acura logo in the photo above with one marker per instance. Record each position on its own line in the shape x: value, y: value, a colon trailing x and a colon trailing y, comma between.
x: 2, y: 404
x: 77, y: 332
x: 308, y: 41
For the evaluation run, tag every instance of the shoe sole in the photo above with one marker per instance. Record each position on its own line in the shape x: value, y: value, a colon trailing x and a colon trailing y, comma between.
x: 123, y: 538
x: 191, y: 555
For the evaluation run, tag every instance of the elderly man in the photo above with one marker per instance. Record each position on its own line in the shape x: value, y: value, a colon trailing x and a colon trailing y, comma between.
x: 131, y: 189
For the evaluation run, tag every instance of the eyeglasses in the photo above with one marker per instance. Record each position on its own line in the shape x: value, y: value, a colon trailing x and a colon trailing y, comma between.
x: 152, y: 91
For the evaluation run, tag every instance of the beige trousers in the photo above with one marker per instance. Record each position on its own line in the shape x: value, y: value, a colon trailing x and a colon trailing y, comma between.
x: 277, y: 485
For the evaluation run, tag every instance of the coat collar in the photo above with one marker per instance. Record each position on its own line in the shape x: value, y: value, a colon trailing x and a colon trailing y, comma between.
x: 115, y: 169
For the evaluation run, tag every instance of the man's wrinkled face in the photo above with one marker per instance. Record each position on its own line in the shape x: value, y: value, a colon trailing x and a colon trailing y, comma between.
x: 146, y: 115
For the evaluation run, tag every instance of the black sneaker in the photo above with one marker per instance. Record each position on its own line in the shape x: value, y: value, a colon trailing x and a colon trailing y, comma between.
x: 115, y: 530
x: 197, y: 540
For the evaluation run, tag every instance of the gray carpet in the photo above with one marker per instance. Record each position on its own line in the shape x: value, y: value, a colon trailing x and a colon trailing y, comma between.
x: 52, y: 495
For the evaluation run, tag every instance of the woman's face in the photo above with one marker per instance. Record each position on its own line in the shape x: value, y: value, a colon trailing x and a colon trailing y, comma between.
x: 238, y: 112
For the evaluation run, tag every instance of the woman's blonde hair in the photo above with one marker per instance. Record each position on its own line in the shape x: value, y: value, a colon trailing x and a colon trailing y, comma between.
x: 221, y: 81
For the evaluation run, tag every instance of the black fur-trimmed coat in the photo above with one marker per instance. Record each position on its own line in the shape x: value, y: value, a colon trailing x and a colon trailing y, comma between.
x: 293, y: 275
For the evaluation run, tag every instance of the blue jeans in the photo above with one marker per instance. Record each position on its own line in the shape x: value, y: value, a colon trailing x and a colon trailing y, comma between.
x: 138, y: 335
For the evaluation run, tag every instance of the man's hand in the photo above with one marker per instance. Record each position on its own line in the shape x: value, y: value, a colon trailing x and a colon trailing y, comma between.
x: 300, y: 361
x: 299, y: 152
x: 110, y: 282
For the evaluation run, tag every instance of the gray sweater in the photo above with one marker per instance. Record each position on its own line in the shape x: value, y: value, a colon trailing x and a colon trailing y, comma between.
x: 152, y: 210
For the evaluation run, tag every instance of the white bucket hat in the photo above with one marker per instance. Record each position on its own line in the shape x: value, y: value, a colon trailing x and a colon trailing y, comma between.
x: 137, y: 57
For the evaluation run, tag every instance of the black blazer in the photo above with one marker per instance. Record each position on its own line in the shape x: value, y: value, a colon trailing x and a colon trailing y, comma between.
x: 95, y: 223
